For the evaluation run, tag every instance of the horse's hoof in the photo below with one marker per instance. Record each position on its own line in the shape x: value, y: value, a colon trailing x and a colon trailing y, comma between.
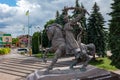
x: 46, y: 72
x: 45, y: 61
x: 71, y: 68
x: 83, y: 69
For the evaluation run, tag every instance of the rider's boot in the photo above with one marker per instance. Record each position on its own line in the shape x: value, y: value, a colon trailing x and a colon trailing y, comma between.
x: 73, y: 64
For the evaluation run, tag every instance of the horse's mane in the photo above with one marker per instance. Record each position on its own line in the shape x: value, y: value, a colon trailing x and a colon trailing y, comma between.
x: 57, y: 25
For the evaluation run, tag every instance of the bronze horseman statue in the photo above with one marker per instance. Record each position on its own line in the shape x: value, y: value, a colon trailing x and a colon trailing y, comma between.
x: 63, y: 40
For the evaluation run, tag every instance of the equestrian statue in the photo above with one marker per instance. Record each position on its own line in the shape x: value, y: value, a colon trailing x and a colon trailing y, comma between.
x: 63, y: 41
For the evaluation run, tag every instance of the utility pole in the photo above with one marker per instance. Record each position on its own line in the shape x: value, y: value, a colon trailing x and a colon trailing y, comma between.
x: 27, y: 14
x: 29, y: 45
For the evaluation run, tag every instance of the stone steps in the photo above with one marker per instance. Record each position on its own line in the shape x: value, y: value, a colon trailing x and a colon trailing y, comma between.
x: 27, y: 59
x: 23, y: 66
x: 18, y: 67
x: 15, y: 69
x: 31, y: 63
x: 13, y: 73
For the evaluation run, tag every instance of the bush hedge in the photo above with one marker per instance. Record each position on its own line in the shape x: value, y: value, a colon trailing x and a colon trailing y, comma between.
x: 4, y: 51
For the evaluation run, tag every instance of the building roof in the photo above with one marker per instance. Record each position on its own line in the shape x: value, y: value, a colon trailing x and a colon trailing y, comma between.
x: 21, y: 36
x: 6, y: 34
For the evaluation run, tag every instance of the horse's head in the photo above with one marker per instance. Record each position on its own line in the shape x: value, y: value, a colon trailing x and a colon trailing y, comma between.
x: 52, y: 29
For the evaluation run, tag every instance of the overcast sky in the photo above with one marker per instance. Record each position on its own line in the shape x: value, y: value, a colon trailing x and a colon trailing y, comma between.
x: 13, y: 19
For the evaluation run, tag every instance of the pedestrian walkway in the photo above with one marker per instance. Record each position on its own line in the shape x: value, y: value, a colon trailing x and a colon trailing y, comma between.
x: 117, y: 72
x: 18, y: 67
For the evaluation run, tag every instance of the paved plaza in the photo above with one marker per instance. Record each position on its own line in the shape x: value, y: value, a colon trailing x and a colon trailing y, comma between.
x: 18, y: 67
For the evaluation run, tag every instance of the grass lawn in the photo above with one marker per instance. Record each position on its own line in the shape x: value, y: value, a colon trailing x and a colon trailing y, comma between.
x: 103, y: 63
x: 40, y: 55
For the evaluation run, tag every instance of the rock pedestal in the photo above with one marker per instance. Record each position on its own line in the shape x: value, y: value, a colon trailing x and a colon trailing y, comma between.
x: 66, y: 74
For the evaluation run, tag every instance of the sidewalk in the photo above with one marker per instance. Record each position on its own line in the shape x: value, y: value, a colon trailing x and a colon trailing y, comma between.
x: 117, y: 72
x: 4, y: 76
x: 13, y: 54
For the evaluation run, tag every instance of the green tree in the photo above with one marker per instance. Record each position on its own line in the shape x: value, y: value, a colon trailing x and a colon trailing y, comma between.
x: 35, y: 42
x: 84, y: 25
x: 15, y: 40
x: 57, y: 14
x: 82, y: 21
x: 114, y: 34
x: 95, y: 30
x: 76, y: 28
x: 49, y: 22
x: 45, y: 41
x: 60, y: 19
x: 76, y: 11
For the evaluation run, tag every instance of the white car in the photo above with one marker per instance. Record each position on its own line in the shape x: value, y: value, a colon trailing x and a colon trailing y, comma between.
x: 22, y: 50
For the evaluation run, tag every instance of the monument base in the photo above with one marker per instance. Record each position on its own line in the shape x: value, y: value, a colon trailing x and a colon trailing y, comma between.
x: 67, y: 74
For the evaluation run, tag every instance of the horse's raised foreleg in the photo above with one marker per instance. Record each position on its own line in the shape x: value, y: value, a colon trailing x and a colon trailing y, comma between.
x: 57, y: 55
x: 45, y: 53
x: 44, y: 56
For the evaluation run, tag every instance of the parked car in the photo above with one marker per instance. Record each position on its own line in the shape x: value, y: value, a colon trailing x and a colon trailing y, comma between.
x: 22, y: 50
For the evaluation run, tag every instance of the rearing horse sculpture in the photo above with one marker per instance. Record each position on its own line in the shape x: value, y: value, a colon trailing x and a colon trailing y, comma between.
x: 55, y: 35
x: 61, y: 43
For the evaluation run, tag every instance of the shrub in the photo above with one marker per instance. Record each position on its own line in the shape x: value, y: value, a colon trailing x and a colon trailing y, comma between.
x: 4, y: 51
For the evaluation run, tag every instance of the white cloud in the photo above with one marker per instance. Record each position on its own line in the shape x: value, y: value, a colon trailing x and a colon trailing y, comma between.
x: 13, y: 18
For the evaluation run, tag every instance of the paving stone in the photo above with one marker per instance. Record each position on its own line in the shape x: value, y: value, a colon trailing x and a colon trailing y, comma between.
x: 19, y: 67
x: 4, y: 76
x: 19, y: 74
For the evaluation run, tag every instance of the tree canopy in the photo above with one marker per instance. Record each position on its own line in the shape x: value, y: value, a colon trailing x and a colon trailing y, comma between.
x: 95, y: 30
x: 114, y: 34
